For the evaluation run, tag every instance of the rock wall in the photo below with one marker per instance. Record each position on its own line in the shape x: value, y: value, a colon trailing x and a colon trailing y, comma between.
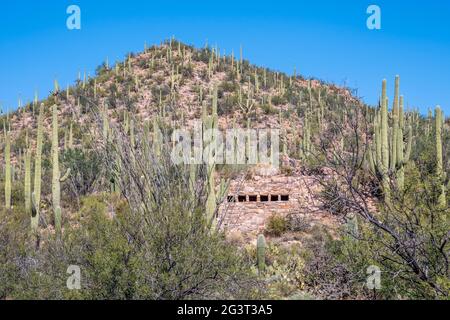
x: 285, y: 195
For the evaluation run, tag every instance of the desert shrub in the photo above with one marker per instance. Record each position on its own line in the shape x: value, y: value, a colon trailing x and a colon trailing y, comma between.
x: 112, y: 251
x: 326, y: 274
x: 17, y: 195
x: 227, y: 105
x: 162, y: 90
x: 19, y: 144
x: 202, y: 55
x: 283, y: 274
x: 235, y: 238
x: 85, y: 166
x: 332, y: 200
x: 187, y: 71
x: 269, y: 109
x: 176, y: 252
x: 152, y: 245
x: 297, y: 223
x: 278, y: 100
x: 276, y: 225
x: 13, y: 247
x: 404, y: 234
x: 287, y: 170
x: 228, y: 86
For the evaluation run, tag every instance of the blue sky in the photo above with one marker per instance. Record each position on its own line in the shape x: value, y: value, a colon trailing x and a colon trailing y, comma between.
x: 326, y: 39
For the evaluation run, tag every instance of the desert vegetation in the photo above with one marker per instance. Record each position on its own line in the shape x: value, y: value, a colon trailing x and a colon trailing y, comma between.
x: 87, y: 180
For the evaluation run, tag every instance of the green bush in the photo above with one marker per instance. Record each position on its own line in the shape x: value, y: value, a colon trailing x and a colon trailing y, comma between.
x: 269, y: 109
x: 276, y: 226
x: 125, y: 253
x: 85, y: 171
x: 278, y: 100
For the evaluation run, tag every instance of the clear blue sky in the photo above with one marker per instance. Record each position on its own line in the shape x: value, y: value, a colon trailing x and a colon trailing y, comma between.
x: 325, y: 39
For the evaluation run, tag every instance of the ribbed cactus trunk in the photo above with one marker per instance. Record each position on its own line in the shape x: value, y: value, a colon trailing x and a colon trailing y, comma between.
x: 211, y: 200
x: 27, y: 182
x: 248, y: 140
x: 378, y: 146
x: 306, y: 139
x: 71, y: 136
x: 56, y: 187
x: 261, y: 253
x: 157, y: 139
x: 439, y: 159
x: 390, y: 155
x: 396, y: 126
x: 132, y: 135
x: 385, y: 143
x: 7, y: 169
x: 38, y: 171
x: 400, y: 149
x: 208, y: 124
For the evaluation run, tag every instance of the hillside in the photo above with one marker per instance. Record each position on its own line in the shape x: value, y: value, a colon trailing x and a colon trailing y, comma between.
x: 357, y: 186
x: 174, y: 81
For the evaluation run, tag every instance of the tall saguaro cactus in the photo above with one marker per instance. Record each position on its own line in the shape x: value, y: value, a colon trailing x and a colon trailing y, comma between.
x: 439, y: 158
x: 27, y: 182
x: 56, y: 187
x: 7, y: 168
x: 306, y: 147
x: 390, y: 154
x: 38, y: 171
x: 56, y: 175
x: 384, y: 142
x: 261, y: 253
x: 403, y: 152
x: 395, y: 126
x: 210, y: 123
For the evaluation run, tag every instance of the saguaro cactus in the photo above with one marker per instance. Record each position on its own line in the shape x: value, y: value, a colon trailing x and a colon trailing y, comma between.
x: 157, y: 138
x: 34, y: 213
x: 38, y: 171
x: 27, y: 182
x: 261, y: 253
x: 439, y: 158
x: 7, y: 168
x: 211, y: 200
x: 210, y: 122
x: 395, y: 127
x: 390, y: 154
x: 384, y: 143
x: 56, y: 175
x: 56, y: 187
x: 305, y: 144
x: 71, y: 136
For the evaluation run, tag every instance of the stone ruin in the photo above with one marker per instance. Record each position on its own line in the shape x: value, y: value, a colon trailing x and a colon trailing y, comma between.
x: 251, y: 201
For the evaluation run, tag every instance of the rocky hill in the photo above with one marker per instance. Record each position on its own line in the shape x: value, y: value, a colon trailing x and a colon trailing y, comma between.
x: 174, y: 81
x: 357, y: 185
